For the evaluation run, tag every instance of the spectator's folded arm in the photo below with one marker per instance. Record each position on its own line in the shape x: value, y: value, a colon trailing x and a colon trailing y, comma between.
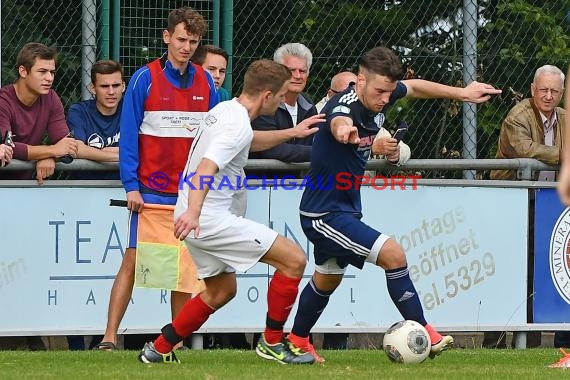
x: 516, y: 142
x: 108, y: 154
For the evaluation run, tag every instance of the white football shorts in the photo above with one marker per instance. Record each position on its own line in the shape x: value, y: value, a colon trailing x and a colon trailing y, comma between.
x: 232, y: 244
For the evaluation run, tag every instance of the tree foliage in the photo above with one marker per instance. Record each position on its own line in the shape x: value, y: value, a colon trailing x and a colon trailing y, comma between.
x: 519, y: 37
x: 53, y: 23
x: 514, y: 38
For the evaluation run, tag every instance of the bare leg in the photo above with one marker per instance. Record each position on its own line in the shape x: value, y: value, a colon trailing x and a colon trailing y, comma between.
x: 177, y: 300
x: 120, y: 295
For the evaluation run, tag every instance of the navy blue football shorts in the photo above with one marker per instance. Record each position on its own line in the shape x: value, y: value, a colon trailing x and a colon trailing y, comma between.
x: 344, y: 238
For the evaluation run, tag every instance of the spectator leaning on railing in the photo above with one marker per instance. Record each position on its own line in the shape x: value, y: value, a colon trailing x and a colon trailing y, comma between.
x: 95, y: 122
x: 534, y: 128
x: 295, y: 109
x: 30, y: 108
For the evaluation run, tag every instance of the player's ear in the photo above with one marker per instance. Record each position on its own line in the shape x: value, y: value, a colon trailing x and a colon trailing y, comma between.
x: 22, y: 71
x: 92, y: 89
x: 361, y: 79
x: 124, y: 87
x: 267, y: 95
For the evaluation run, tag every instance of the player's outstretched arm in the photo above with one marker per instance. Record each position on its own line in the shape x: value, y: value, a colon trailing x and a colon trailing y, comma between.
x: 475, y: 92
x: 263, y: 140
x: 564, y: 176
x: 199, y: 187
x: 344, y: 131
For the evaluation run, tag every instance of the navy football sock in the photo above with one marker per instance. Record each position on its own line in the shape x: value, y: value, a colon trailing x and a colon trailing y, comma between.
x: 312, y: 303
x: 404, y: 295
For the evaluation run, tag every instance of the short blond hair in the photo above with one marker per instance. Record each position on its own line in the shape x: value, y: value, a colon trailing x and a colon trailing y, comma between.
x: 265, y: 75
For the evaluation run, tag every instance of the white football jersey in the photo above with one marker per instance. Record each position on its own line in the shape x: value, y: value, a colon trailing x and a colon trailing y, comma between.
x: 224, y: 137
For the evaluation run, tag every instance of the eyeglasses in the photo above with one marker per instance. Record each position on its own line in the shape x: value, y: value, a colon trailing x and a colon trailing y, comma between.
x: 546, y: 90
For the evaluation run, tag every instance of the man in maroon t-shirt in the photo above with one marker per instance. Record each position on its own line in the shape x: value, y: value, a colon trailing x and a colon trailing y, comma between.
x: 30, y: 108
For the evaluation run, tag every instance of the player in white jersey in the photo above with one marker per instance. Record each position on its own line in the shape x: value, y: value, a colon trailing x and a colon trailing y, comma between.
x: 222, y: 242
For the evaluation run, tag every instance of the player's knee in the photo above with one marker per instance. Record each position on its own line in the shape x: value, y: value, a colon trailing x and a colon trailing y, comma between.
x: 326, y: 282
x: 296, y: 263
x: 288, y: 257
x: 399, y: 260
x: 218, y: 297
x: 229, y: 294
x: 391, y: 256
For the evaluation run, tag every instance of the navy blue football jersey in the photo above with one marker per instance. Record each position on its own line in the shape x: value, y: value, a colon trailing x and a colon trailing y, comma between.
x: 330, y: 186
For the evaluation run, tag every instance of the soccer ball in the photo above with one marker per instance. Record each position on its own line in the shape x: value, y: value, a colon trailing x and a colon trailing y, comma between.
x: 407, y: 342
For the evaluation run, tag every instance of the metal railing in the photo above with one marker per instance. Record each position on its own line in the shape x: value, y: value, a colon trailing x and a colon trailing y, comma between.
x: 525, y: 167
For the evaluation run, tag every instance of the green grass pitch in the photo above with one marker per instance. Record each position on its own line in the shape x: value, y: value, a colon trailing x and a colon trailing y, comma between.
x: 455, y: 364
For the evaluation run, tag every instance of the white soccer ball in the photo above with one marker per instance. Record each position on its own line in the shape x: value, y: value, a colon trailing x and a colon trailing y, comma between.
x: 407, y: 342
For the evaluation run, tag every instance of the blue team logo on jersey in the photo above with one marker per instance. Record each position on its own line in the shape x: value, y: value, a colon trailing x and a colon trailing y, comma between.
x: 379, y: 120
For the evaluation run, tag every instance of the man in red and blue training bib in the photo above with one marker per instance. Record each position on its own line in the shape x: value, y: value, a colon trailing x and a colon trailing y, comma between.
x: 163, y: 106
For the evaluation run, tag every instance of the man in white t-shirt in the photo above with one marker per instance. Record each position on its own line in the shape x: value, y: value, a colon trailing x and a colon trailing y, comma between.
x: 222, y: 242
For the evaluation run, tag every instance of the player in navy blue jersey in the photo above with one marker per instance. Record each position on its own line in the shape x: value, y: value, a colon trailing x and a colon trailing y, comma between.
x: 331, y: 219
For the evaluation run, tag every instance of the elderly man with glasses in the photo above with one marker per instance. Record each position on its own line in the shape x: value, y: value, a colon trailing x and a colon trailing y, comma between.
x: 534, y: 127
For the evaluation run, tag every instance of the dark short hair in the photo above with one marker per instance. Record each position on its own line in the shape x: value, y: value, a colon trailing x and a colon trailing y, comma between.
x: 193, y: 21
x: 32, y: 51
x: 106, y: 66
x: 265, y: 75
x: 383, y: 61
x: 202, y: 51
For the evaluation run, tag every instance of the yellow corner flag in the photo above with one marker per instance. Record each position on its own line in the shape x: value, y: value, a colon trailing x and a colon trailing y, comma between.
x: 162, y: 261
